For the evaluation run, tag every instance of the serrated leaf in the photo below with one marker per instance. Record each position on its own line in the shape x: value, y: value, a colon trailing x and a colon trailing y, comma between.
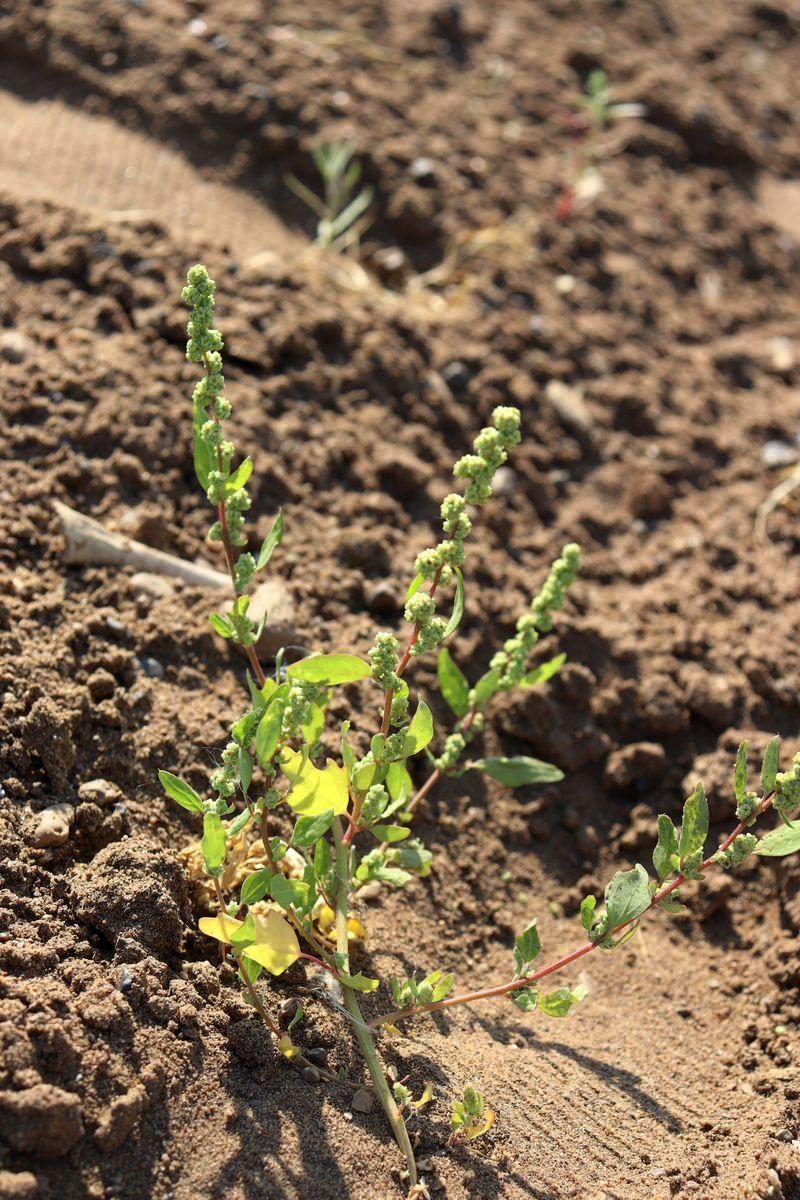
x: 740, y: 773
x: 780, y: 842
x: 270, y: 542
x: 627, y: 896
x: 180, y: 792
x: 330, y: 669
x: 309, y: 830
x: 452, y: 683
x: 694, y: 827
x: 420, y: 731
x: 518, y: 771
x: 545, y: 671
x: 315, y: 791
x: 256, y: 886
x: 665, y: 855
x: 769, y: 767
x: 458, y: 606
x: 212, y: 843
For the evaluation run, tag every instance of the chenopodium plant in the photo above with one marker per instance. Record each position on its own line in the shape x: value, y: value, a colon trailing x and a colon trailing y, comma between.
x: 327, y: 826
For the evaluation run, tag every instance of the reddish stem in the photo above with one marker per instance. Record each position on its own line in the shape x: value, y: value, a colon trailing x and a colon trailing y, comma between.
x: 502, y: 989
x: 403, y: 663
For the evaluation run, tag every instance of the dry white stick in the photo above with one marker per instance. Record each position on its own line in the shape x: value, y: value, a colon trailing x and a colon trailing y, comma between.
x: 89, y: 542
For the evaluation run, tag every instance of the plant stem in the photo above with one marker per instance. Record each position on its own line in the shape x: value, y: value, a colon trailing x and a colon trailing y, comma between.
x: 363, y: 1036
x: 403, y: 663
x: 503, y: 989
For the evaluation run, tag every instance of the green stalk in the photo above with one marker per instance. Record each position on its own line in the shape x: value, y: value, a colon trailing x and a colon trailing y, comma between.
x: 363, y: 1035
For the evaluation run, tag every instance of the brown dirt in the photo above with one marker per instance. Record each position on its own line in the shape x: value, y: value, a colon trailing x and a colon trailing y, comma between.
x: 130, y: 1065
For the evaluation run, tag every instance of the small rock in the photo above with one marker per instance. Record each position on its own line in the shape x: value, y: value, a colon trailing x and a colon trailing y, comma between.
x: 52, y: 826
x: 101, y: 792
x: 506, y: 482
x: 362, y: 1101
x: 42, y: 1120
x: 197, y: 26
x: 15, y: 347
x: 569, y: 405
x: 289, y: 1008
x: 781, y: 353
x: 423, y: 170
x: 310, y: 1074
x: 273, y: 598
x: 370, y: 891
x: 564, y: 284
x: 778, y: 454
x: 151, y: 667
x: 149, y: 584
x: 317, y: 1055
x: 456, y: 375
x: 101, y: 684
x: 639, y: 762
x: 124, y: 981
x: 382, y: 600
x: 18, y: 1185
x: 390, y: 259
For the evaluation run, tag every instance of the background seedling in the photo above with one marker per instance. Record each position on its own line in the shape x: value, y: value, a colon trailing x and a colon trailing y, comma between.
x: 325, y: 826
x: 342, y: 215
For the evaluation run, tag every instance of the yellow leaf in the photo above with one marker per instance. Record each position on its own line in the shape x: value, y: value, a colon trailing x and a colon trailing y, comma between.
x: 288, y: 1048
x: 355, y: 930
x: 276, y: 945
x: 325, y: 918
x: 221, y: 927
x: 315, y: 791
x: 485, y: 1122
x: 425, y: 1098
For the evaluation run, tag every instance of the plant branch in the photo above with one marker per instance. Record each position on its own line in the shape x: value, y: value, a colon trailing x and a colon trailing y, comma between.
x: 403, y: 663
x: 503, y: 989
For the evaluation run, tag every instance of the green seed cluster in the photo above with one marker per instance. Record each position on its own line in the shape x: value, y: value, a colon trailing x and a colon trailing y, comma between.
x: 747, y: 807
x: 787, y: 790
x: 384, y: 656
x: 225, y: 778
x: 302, y: 696
x: 375, y: 803
x: 457, y: 742
x: 204, y: 346
x: 437, y: 562
x: 511, y: 660
x: 737, y: 852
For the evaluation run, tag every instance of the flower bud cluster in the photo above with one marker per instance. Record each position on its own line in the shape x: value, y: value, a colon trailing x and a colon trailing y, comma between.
x: 437, y: 562
x: 204, y: 346
x: 302, y: 696
x: 511, y: 660
x: 375, y: 803
x: 225, y: 778
x: 787, y: 790
x: 737, y: 852
x: 456, y: 743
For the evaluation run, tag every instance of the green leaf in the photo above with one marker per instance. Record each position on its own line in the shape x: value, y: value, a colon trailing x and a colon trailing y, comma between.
x: 352, y: 212
x: 414, y: 586
x: 452, y: 683
x: 330, y: 668
x: 309, y: 830
x: 740, y: 773
x: 270, y: 542
x: 245, y: 935
x: 420, y: 731
x: 588, y: 905
x: 671, y: 905
x: 486, y: 687
x: 221, y: 625
x: 205, y: 460
x: 559, y: 1002
x: 525, y: 998
x: 256, y: 886
x: 769, y: 768
x: 518, y: 771
x: 780, y: 842
x: 443, y: 988
x: 390, y: 833
x: 239, y: 477
x: 212, y: 843
x: 627, y: 896
x: 694, y: 829
x: 359, y: 982
x: 238, y: 823
x: 180, y: 792
x: 268, y: 733
x: 526, y: 947
x: 249, y: 970
x: 545, y: 671
x: 289, y: 893
x: 313, y: 727
x: 245, y: 765
x: 398, y: 782
x: 458, y: 606
x: 665, y: 855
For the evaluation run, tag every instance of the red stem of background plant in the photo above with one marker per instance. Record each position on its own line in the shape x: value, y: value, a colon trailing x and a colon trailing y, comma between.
x: 526, y: 981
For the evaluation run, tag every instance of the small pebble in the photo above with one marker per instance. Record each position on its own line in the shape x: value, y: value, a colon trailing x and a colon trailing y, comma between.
x: 125, y: 981
x: 15, y: 347
x: 310, y: 1074
x: 197, y: 27
x: 362, y: 1101
x: 151, y: 667
x: 456, y: 375
x: 778, y: 454
x: 52, y: 826
x: 423, y: 170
